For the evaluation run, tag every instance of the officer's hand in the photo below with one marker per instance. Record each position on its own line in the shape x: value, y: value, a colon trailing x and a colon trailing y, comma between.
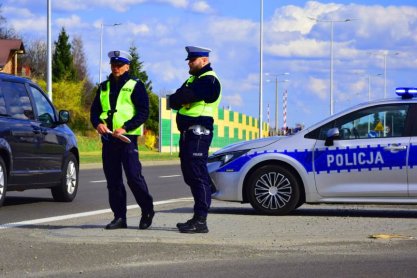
x: 102, y: 129
x: 119, y: 131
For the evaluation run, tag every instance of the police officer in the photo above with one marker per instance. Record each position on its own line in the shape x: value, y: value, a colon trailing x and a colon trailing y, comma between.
x: 121, y: 105
x: 196, y: 101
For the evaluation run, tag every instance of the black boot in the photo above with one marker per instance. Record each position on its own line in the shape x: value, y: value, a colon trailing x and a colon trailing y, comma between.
x: 196, y: 225
x: 117, y: 223
x: 146, y: 220
x: 182, y: 224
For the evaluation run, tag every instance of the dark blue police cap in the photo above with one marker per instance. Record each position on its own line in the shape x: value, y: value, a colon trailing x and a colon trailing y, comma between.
x: 196, y: 51
x: 119, y: 56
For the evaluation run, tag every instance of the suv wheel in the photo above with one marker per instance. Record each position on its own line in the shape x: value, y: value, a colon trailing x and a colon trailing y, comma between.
x: 274, y: 190
x: 67, y: 190
x: 3, y: 181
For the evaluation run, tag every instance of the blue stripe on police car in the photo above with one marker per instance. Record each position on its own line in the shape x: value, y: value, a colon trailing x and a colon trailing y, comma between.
x: 329, y: 160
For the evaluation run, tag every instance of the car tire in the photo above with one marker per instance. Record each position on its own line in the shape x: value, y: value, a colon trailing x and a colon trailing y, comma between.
x: 3, y: 181
x: 273, y: 189
x: 67, y: 189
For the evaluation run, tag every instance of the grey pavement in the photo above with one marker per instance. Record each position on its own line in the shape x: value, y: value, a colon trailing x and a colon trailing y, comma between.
x: 81, y: 245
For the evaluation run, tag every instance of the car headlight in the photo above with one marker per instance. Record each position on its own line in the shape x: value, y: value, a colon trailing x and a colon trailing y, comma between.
x: 225, y: 158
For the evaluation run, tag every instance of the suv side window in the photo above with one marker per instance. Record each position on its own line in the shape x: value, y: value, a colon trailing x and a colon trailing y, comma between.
x: 3, y: 110
x: 17, y: 100
x: 44, y: 110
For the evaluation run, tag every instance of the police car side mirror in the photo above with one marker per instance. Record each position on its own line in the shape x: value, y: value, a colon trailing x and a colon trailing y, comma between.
x: 331, y: 134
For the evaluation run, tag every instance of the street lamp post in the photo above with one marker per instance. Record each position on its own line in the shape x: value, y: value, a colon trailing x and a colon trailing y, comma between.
x: 369, y: 98
x: 101, y: 46
x: 331, y: 55
x: 369, y: 78
x: 260, y: 67
x: 49, y: 52
x: 276, y: 96
x: 384, y: 54
x: 369, y: 84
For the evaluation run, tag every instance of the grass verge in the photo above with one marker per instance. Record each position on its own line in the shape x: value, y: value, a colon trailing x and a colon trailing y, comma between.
x: 90, y: 151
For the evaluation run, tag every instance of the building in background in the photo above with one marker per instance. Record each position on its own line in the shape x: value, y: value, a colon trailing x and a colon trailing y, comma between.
x: 9, y: 51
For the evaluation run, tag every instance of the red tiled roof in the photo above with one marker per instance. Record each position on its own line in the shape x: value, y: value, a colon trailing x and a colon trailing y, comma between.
x: 6, y: 46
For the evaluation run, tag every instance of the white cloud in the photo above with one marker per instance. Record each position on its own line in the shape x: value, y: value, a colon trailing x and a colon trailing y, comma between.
x: 296, y: 18
x: 233, y: 100
x: 302, y: 108
x: 318, y: 87
x: 358, y: 87
x: 169, y: 72
x: 300, y: 48
x: 74, y: 21
x: 16, y: 12
x: 176, y: 3
x: 233, y: 30
x: 393, y: 22
x: 70, y: 5
x: 201, y: 7
x: 138, y: 29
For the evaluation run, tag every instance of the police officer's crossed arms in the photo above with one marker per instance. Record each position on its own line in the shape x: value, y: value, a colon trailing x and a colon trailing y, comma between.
x: 121, y: 105
x: 197, y: 102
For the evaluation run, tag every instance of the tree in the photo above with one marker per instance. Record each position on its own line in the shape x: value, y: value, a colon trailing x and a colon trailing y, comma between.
x: 62, y: 60
x: 5, y: 31
x: 80, y: 65
x: 79, y: 60
x: 36, y: 58
x: 136, y: 70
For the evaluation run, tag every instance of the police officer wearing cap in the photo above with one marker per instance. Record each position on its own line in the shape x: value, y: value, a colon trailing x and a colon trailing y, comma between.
x: 197, y: 102
x: 121, y: 105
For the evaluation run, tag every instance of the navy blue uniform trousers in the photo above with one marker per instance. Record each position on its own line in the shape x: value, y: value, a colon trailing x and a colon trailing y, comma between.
x: 193, y: 155
x: 115, y: 155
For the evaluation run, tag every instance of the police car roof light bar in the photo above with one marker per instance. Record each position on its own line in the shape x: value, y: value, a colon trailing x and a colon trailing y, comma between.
x: 406, y: 92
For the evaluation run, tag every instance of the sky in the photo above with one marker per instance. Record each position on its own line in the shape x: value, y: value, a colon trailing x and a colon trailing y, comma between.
x: 374, y: 51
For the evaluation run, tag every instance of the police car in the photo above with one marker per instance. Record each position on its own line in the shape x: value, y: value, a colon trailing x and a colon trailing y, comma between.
x: 365, y: 154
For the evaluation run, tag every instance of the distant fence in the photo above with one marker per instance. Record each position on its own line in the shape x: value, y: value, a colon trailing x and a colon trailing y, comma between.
x: 229, y: 127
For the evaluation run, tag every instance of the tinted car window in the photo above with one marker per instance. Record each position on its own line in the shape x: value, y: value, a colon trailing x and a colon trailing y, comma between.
x: 45, y: 111
x: 373, y: 122
x: 17, y: 101
x: 3, y: 110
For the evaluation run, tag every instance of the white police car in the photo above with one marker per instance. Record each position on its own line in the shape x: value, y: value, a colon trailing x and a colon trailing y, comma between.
x: 365, y: 154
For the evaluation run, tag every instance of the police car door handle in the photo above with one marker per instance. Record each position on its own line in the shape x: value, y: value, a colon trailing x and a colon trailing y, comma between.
x: 395, y: 147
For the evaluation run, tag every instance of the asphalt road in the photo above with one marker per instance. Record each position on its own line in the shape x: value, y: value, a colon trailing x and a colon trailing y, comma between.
x: 313, y: 241
x: 164, y: 182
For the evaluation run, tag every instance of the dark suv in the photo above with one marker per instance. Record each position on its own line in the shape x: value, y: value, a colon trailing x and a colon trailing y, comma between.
x: 37, y: 148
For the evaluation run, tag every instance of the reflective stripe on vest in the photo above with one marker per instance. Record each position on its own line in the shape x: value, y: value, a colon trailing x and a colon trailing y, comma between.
x: 201, y: 108
x: 125, y: 109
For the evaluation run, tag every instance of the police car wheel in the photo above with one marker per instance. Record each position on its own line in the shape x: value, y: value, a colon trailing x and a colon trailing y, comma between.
x: 3, y: 181
x: 67, y: 189
x: 273, y: 189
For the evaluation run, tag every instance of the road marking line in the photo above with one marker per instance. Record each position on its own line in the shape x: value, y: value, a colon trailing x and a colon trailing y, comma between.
x: 171, y: 176
x: 81, y: 214
x: 98, y: 181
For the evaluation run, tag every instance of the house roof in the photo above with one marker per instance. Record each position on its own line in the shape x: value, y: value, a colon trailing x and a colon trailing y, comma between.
x: 8, y: 45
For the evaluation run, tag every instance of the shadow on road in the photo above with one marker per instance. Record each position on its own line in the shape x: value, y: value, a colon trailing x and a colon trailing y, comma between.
x: 16, y: 201
x: 328, y: 211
